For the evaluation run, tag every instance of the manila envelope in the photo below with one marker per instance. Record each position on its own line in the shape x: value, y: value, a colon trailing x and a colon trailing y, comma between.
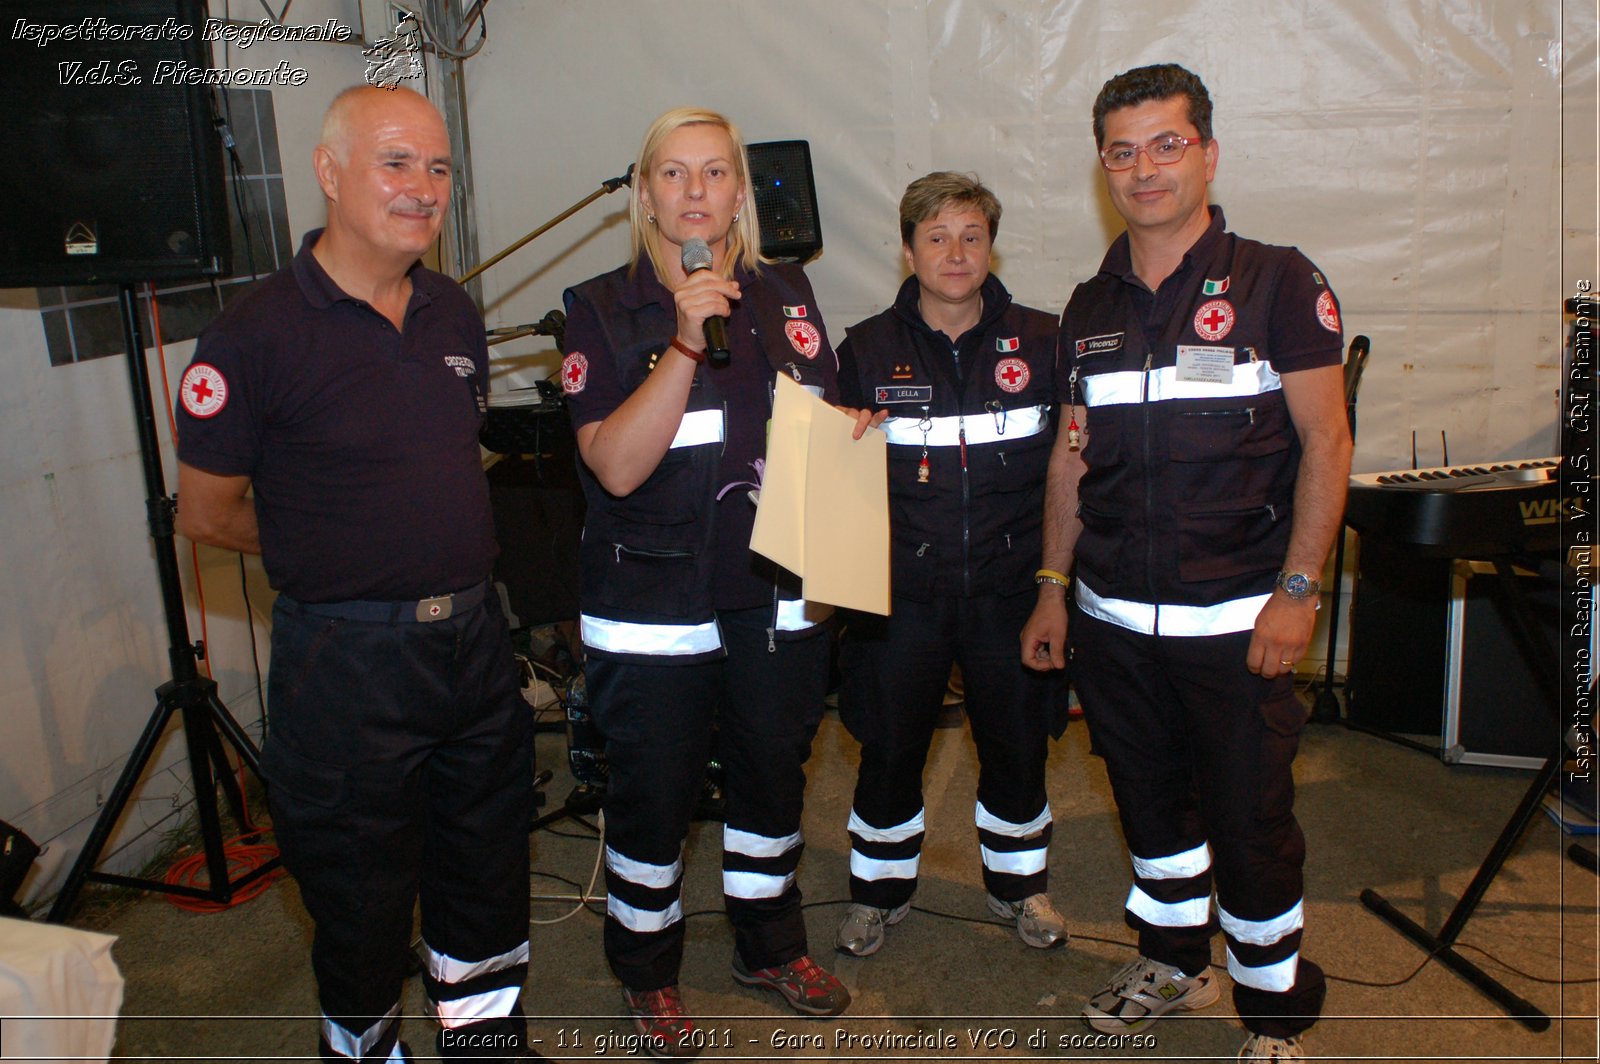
x: 824, y: 509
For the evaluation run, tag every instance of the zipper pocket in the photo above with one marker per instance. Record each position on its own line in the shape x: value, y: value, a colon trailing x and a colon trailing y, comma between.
x: 646, y: 554
x: 1246, y: 412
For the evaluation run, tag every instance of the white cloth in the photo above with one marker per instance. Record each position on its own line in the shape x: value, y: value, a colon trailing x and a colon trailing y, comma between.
x: 60, y: 992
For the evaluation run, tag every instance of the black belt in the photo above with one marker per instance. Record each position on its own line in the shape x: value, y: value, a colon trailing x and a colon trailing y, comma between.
x: 423, y: 611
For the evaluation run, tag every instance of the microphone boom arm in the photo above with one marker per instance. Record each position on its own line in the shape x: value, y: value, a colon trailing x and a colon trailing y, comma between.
x: 606, y: 186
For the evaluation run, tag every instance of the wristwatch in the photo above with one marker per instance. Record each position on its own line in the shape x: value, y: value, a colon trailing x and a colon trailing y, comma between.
x: 1299, y: 586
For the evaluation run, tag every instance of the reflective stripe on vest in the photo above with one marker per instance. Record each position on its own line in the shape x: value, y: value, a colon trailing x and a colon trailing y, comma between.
x: 698, y: 427
x: 1222, y: 618
x: 982, y: 427
x: 1127, y: 386
x: 796, y: 615
x: 628, y: 637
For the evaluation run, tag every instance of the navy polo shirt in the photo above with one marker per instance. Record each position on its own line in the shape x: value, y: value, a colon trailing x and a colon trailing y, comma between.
x: 360, y: 441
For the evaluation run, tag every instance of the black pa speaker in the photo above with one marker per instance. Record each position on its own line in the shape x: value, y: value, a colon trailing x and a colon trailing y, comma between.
x: 786, y: 200
x: 119, y: 175
x: 1433, y: 652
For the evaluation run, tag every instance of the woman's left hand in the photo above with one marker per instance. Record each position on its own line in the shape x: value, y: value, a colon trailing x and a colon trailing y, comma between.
x: 865, y: 419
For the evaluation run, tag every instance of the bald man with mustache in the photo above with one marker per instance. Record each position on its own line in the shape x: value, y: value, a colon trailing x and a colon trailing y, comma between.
x: 329, y: 422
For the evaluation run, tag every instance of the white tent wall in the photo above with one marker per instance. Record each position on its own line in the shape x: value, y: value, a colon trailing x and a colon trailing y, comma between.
x: 1415, y: 151
x: 83, y: 640
x: 1437, y: 160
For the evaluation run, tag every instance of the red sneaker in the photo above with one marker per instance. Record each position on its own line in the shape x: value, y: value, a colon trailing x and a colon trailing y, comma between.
x: 659, y: 1016
x: 804, y: 984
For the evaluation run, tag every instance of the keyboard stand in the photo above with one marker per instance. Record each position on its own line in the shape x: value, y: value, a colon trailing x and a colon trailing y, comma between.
x: 1442, y: 945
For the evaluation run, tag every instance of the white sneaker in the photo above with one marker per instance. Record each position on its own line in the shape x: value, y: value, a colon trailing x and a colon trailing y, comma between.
x: 1038, y: 923
x: 1145, y: 991
x: 1263, y: 1047
x: 862, y: 929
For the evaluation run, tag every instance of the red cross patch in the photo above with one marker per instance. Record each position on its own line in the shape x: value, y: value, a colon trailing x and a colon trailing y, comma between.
x: 204, y: 390
x: 1214, y: 320
x: 803, y: 337
x: 1012, y: 374
x: 1328, y: 311
x: 574, y: 373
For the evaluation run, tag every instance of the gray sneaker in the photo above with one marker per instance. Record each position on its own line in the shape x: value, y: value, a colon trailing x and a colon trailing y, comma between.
x: 861, y: 930
x: 1038, y: 923
x: 1145, y: 991
x: 1265, y: 1047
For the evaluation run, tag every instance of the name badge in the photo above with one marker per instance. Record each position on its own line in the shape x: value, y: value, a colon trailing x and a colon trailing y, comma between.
x: 1090, y: 345
x: 1205, y: 365
x: 902, y: 393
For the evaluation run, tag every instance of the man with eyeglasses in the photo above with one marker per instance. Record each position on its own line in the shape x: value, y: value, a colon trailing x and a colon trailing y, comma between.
x: 1197, y: 487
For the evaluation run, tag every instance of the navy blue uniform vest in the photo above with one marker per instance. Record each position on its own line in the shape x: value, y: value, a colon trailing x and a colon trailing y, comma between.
x: 974, y: 526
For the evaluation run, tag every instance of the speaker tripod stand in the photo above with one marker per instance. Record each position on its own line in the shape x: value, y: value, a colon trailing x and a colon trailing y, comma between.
x: 205, y: 720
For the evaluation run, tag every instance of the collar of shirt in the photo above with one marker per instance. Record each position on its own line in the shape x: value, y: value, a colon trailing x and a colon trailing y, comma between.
x: 1118, y: 262
x: 907, y: 306
x: 322, y: 292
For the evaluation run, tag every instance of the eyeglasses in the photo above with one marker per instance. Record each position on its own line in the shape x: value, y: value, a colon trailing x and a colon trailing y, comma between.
x: 1163, y: 151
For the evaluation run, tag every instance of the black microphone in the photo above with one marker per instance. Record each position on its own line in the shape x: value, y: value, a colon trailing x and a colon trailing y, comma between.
x: 697, y: 256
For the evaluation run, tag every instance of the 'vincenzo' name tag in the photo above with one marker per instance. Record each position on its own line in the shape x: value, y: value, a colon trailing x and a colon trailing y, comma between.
x: 1205, y: 365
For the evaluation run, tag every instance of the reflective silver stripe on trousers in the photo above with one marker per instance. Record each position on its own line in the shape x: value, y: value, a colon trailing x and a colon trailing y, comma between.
x: 697, y: 427
x: 796, y: 615
x: 898, y: 833
x: 753, y: 885
x: 1176, y: 866
x: 1191, y: 913
x: 655, y: 876
x: 1222, y: 618
x: 752, y: 845
x: 1017, y: 863
x: 1128, y: 386
x: 987, y: 821
x: 1273, y: 977
x: 489, y: 1005
x: 872, y: 868
x: 357, y: 1046
x: 1263, y: 932
x: 643, y: 921
x: 983, y: 427
x: 447, y: 969
x: 627, y: 637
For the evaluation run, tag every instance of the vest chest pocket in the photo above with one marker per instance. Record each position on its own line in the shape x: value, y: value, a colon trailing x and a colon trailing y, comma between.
x: 1239, y: 429
x: 1010, y: 465
x: 1231, y: 538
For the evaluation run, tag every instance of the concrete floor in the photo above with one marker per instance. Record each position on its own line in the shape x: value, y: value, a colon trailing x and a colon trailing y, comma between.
x: 237, y: 985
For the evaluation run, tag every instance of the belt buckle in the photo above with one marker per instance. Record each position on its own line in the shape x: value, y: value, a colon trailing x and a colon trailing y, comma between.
x: 437, y: 608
